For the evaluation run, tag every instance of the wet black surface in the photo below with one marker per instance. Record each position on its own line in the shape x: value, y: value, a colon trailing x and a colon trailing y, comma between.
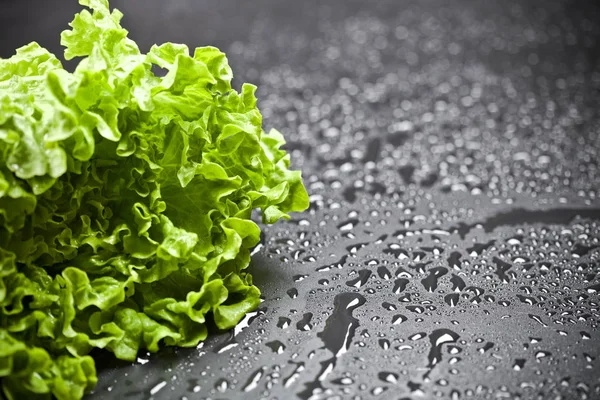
x: 452, y: 245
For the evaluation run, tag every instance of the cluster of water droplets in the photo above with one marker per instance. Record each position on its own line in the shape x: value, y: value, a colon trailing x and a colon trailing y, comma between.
x: 452, y: 245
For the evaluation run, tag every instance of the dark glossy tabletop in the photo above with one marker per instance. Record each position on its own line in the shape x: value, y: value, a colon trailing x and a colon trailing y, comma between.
x: 452, y: 246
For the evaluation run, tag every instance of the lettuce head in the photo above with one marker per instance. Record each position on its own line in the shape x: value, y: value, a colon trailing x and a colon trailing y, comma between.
x: 125, y: 202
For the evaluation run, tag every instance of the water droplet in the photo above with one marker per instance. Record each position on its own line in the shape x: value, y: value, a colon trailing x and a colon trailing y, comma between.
x: 343, y: 381
x: 337, y: 335
x: 363, y: 277
x: 389, y: 377
x: 502, y: 268
x: 276, y: 346
x: 400, y: 285
x: 222, y: 385
x: 228, y: 345
x: 593, y: 288
x: 527, y: 300
x: 430, y: 283
x: 289, y: 381
x: 398, y: 319
x: 478, y: 248
x: 405, y: 298
x: 519, y: 364
x: 283, y: 322
x: 158, y: 387
x: 252, y: 382
x: 384, y: 273
x: 458, y: 284
x: 376, y: 391
x: 304, y: 324
x: 299, y: 278
x: 348, y: 225
x: 454, y: 260
x: 355, y: 247
x: 395, y: 250
x: 402, y: 273
x: 438, y: 338
x: 415, y: 388
x: 486, y: 347
x: 417, y: 336
x: 538, y: 320
x: 585, y: 335
x: 452, y: 299
x: 339, y: 264
x: 542, y: 354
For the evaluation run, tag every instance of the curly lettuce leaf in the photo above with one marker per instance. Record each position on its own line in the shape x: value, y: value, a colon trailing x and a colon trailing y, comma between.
x: 125, y: 202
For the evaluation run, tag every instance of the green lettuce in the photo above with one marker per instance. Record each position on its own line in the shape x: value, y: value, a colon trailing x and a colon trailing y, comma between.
x: 125, y: 202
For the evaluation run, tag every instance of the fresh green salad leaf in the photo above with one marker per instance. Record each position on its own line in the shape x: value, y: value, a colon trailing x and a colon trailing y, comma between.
x: 125, y: 202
